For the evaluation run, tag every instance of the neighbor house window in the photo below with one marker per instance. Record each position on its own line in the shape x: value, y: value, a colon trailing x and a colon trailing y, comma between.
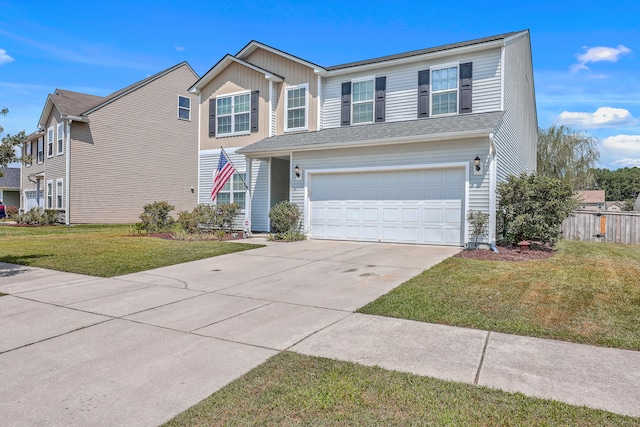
x: 184, y: 108
x: 40, y: 150
x: 362, y: 101
x: 49, y: 194
x: 232, y: 114
x: 28, y: 152
x: 50, y: 137
x: 59, y: 194
x: 444, y: 96
x: 296, y: 108
x: 234, y: 191
x: 60, y: 135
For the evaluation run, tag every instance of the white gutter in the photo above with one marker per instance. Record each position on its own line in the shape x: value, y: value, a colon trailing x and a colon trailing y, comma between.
x: 199, y: 146
x: 67, y: 178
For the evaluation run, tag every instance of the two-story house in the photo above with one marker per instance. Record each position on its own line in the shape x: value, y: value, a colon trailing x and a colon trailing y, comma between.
x: 101, y: 159
x: 392, y: 149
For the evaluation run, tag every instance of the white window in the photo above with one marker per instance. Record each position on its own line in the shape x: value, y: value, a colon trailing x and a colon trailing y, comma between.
x: 184, y: 108
x: 50, y: 137
x: 49, y: 194
x: 59, y: 193
x: 232, y: 114
x: 444, y: 96
x: 40, y: 150
x: 234, y: 191
x: 296, y: 108
x: 362, y: 100
x: 28, y: 152
x: 60, y: 135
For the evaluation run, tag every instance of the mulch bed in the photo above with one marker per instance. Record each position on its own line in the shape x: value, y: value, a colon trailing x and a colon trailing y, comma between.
x: 508, y: 253
x: 170, y: 236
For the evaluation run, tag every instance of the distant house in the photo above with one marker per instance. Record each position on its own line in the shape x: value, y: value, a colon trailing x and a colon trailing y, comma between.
x: 392, y: 149
x: 615, y: 206
x: 592, y: 199
x: 636, y: 205
x: 10, y: 186
x: 101, y: 159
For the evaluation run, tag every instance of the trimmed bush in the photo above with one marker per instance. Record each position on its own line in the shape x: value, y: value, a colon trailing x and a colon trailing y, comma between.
x: 209, y: 217
x: 532, y: 208
x: 155, y: 218
x: 284, y: 216
x: 479, y: 222
x: 11, y: 212
x: 38, y: 216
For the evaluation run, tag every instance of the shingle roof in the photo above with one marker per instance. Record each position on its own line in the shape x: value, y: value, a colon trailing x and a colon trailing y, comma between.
x: 74, y: 103
x: 423, y: 51
x: 407, y: 131
x: 591, y: 196
x: 11, y: 178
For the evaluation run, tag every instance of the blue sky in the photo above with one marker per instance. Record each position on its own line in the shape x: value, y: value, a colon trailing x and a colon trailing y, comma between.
x: 586, y: 54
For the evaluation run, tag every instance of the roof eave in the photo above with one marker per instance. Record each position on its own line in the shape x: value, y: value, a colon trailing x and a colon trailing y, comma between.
x: 224, y: 63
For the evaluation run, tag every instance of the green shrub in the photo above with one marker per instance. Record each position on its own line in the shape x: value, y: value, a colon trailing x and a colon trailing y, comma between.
x: 533, y: 207
x: 284, y: 216
x: 155, y: 217
x: 38, y: 216
x: 479, y: 222
x: 225, y: 215
x: 188, y: 221
x: 205, y: 218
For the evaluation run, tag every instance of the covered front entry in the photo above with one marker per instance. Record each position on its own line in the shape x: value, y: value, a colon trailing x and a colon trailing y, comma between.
x: 422, y: 206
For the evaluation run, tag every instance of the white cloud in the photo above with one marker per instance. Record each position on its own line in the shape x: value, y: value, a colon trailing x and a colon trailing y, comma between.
x: 621, y: 150
x: 180, y: 48
x: 602, y: 117
x: 4, y: 57
x: 627, y: 163
x: 599, y: 54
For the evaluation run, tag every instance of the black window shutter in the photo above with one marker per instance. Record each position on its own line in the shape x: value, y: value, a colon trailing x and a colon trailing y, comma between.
x: 465, y: 87
x: 381, y: 89
x: 255, y: 95
x: 423, y: 93
x: 345, y: 108
x: 212, y: 117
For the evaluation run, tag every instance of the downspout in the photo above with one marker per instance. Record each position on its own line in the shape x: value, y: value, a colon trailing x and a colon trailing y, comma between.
x: 199, y: 152
x: 492, y: 193
x: 67, y: 177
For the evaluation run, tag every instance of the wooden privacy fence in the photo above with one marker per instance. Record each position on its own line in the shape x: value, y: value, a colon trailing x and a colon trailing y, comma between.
x: 604, y: 226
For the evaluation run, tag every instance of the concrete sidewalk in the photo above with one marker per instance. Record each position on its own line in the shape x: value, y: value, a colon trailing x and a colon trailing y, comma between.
x: 141, y: 348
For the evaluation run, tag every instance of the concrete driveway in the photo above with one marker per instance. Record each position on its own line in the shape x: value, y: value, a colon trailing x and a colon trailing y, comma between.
x: 141, y: 348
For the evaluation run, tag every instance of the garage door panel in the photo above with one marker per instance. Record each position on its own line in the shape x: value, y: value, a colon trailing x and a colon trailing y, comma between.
x: 417, y: 206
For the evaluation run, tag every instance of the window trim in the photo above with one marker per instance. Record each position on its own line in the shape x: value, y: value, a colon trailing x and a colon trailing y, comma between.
x: 372, y: 101
x: 433, y: 92
x: 49, y: 201
x: 60, y: 138
x: 188, y: 109
x: 304, y: 86
x: 231, y: 191
x: 40, y: 153
x: 59, y: 194
x: 233, y: 114
x: 50, y: 140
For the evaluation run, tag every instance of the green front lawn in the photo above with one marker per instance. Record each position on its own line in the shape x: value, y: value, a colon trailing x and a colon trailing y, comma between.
x: 587, y: 293
x: 102, y: 250
x: 291, y: 389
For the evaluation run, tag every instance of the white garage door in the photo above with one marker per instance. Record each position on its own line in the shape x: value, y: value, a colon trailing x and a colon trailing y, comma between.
x: 414, y: 206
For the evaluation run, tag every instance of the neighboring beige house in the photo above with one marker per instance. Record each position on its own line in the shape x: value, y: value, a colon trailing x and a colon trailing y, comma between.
x: 101, y: 159
x: 392, y: 149
x: 592, y: 199
x: 616, y: 206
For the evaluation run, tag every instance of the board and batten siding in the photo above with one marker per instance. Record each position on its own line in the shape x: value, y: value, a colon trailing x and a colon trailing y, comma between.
x: 294, y: 73
x: 136, y: 151
x: 401, y: 101
x: 235, y: 78
x: 259, y: 185
x: 517, y: 134
x: 426, y: 153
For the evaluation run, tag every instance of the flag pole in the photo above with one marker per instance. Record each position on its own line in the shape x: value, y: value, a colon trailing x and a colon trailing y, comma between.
x: 236, y: 169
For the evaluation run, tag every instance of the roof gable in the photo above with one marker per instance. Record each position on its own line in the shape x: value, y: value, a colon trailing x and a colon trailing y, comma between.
x: 254, y: 45
x: 223, y: 64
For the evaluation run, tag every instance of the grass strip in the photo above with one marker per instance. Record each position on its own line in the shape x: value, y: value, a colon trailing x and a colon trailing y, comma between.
x: 292, y: 389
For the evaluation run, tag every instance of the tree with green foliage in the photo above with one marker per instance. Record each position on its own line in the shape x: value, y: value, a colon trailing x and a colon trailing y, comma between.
x: 9, y: 144
x: 621, y: 184
x: 567, y: 155
x: 532, y: 207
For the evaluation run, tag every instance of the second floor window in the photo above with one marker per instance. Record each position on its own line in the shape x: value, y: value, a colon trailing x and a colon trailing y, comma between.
x: 60, y: 135
x: 444, y: 98
x: 40, y: 150
x: 28, y: 152
x: 296, y: 108
x: 232, y: 114
x: 362, y: 101
x: 50, y: 137
x: 184, y: 108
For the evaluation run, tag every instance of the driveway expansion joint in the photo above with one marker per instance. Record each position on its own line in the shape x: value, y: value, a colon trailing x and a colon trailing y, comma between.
x: 484, y: 352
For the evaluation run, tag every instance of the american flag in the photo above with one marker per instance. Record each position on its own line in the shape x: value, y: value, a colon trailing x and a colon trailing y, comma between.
x: 223, y: 173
